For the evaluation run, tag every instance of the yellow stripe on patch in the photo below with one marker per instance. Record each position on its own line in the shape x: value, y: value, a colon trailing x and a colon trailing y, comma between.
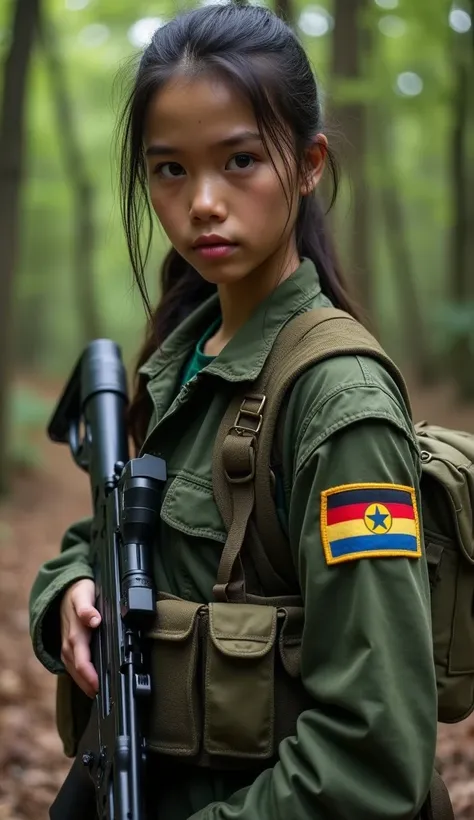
x: 347, y: 529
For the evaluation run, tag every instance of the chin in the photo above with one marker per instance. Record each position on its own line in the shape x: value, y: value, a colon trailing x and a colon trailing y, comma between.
x: 221, y: 272
x: 219, y: 275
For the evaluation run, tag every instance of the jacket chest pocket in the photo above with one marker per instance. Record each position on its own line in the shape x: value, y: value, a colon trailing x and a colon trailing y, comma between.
x: 189, y: 507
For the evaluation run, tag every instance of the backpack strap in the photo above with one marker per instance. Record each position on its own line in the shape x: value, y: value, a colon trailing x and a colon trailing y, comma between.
x: 243, y: 445
x: 438, y: 805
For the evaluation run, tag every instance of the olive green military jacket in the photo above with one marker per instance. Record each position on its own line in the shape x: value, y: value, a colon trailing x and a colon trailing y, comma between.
x: 366, y: 748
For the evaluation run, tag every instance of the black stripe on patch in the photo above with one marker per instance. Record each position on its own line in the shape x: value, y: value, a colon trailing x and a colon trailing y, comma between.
x: 368, y: 496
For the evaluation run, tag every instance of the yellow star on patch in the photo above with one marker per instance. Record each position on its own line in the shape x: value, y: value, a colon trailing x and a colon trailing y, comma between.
x: 378, y: 519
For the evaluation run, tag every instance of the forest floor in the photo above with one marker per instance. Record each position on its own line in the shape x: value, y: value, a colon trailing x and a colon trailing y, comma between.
x: 33, y: 518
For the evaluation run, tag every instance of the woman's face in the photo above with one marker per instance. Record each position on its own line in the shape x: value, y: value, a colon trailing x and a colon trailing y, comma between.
x: 211, y: 181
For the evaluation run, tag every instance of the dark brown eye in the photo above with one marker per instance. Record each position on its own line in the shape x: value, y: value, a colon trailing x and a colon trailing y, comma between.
x: 170, y: 170
x: 242, y: 161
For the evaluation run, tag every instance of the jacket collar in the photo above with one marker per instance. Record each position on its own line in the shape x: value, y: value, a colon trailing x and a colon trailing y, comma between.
x: 245, y: 354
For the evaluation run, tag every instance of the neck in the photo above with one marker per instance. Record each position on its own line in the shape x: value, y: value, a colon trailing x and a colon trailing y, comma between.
x: 240, y: 299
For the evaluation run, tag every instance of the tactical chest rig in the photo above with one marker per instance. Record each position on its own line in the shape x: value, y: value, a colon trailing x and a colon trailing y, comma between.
x: 229, y: 673
x: 226, y: 675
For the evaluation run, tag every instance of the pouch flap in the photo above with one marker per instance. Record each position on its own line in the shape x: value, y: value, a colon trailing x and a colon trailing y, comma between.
x: 449, y: 445
x: 189, y: 506
x: 448, y: 457
x: 175, y: 619
x: 460, y: 442
x: 290, y: 639
x: 242, y: 630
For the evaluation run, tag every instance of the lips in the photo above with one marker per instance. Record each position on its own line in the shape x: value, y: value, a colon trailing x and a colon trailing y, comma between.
x: 211, y: 240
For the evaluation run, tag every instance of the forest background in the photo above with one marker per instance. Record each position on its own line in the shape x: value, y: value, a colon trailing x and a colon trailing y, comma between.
x: 398, y: 80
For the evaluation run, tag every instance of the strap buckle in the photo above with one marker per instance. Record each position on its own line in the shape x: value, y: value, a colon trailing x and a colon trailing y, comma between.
x: 251, y: 412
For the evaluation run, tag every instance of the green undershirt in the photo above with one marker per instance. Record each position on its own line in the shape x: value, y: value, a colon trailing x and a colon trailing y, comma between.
x: 199, y: 360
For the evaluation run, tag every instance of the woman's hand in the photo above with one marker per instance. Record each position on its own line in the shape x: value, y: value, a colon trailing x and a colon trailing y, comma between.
x: 78, y: 618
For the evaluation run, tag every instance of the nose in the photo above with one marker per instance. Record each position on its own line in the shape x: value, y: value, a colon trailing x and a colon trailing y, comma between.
x: 207, y: 201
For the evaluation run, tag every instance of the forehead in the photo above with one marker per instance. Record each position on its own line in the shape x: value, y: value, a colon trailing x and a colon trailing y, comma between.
x: 196, y: 110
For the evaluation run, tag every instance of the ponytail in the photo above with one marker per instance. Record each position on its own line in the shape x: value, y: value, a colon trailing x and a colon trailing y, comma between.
x: 315, y: 242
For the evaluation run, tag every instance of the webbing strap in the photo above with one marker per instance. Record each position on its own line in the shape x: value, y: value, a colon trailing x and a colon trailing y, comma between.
x: 242, y: 451
x: 438, y: 805
x: 234, y: 467
x: 243, y: 497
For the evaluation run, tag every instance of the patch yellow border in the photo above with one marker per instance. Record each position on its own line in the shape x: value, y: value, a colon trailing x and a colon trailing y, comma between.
x: 330, y: 560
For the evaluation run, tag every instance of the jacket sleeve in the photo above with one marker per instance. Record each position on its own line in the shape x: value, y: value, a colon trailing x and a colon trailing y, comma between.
x: 367, y: 748
x: 53, y: 578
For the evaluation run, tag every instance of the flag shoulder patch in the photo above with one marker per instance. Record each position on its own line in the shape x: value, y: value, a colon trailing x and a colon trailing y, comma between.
x: 369, y: 521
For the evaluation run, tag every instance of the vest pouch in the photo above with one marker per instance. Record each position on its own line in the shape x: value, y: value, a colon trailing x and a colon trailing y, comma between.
x: 447, y: 495
x: 452, y: 600
x: 73, y: 709
x: 175, y: 713
x: 239, y: 681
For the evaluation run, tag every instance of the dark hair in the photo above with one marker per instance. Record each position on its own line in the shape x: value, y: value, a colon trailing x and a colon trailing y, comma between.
x: 261, y: 56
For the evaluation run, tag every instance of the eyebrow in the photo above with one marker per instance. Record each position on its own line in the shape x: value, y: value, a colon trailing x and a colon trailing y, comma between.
x: 236, y: 139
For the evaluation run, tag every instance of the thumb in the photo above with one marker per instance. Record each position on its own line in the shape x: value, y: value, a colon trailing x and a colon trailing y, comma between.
x: 83, y: 603
x: 88, y: 615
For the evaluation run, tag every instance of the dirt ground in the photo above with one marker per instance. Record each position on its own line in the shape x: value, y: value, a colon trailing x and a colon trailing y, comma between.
x: 32, y: 521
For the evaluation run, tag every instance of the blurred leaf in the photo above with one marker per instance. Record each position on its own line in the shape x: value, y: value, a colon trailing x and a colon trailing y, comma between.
x: 99, y: 70
x: 29, y: 410
x: 457, y: 322
x: 29, y: 413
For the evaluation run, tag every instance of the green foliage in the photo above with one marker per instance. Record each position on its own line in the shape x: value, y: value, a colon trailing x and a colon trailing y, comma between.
x: 456, y: 322
x: 99, y: 59
x: 29, y: 412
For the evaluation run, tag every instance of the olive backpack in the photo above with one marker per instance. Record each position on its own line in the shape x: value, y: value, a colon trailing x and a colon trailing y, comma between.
x: 243, y: 480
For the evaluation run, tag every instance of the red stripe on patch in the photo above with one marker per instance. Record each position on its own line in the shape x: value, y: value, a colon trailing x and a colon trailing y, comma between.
x: 401, y: 510
x: 352, y: 512
x: 349, y: 512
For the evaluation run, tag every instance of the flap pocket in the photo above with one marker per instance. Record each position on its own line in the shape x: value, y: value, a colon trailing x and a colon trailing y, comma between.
x: 175, y: 715
x: 452, y: 597
x: 239, y: 681
x: 175, y: 619
x: 241, y: 630
x: 448, y: 469
x: 189, y: 507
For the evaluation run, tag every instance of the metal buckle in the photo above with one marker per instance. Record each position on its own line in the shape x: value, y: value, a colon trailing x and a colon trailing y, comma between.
x: 257, y: 414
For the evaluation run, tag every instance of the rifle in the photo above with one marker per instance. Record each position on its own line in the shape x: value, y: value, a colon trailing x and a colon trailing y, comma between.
x: 106, y: 778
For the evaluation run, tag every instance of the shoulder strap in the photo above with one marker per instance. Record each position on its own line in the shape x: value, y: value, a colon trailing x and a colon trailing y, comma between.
x: 241, y: 458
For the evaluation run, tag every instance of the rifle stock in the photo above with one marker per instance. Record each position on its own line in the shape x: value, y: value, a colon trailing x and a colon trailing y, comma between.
x: 106, y: 777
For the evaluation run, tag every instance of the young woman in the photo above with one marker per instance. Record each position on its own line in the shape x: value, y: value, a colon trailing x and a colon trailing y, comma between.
x: 223, y: 138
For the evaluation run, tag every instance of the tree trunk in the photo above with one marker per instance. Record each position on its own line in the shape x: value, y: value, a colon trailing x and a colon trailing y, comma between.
x: 460, y: 268
x: 412, y: 320
x: 83, y: 190
x: 458, y: 276
x: 12, y: 140
x: 28, y: 333
x: 350, y: 48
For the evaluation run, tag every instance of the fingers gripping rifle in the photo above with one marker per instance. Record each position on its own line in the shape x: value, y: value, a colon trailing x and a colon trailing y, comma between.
x: 106, y: 777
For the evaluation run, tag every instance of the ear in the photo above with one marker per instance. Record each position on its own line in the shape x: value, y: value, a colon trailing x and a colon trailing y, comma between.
x: 315, y: 159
